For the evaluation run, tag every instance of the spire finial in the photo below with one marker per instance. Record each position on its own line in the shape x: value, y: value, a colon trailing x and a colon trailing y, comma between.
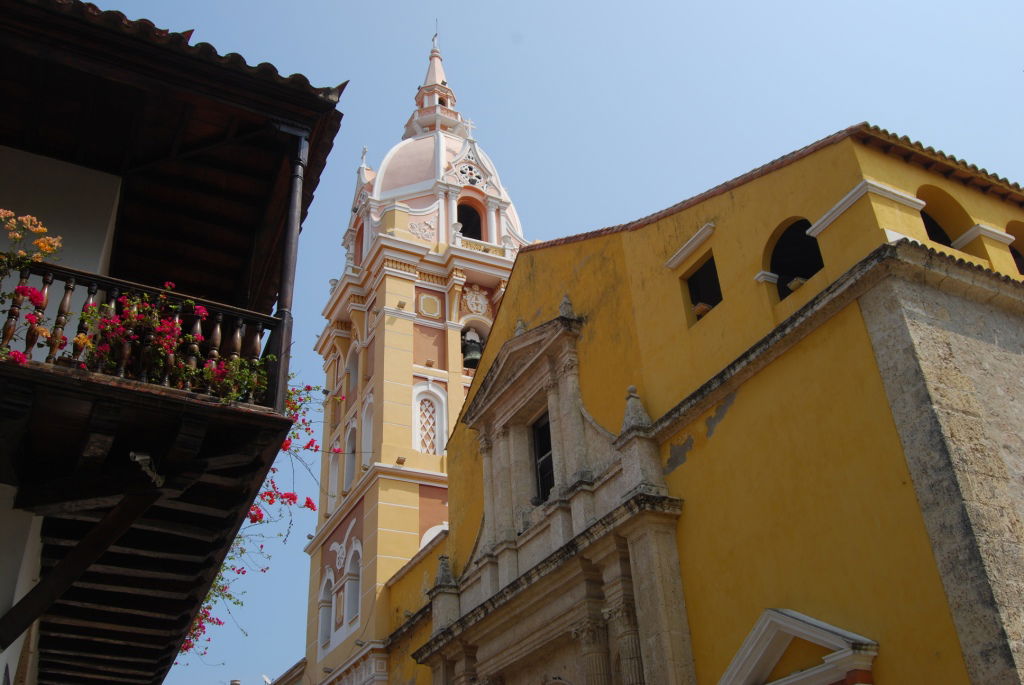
x: 362, y: 159
x: 433, y: 41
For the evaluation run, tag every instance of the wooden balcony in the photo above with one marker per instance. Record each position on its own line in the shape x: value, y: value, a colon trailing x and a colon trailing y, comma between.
x: 142, y: 485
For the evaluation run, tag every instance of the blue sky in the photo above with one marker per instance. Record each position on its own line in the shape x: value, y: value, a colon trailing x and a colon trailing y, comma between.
x: 597, y: 113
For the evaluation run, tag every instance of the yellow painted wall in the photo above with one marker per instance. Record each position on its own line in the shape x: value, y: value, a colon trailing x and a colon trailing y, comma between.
x: 801, y: 499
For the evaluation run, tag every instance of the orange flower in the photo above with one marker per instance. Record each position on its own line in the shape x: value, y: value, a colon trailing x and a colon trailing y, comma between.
x: 47, y: 244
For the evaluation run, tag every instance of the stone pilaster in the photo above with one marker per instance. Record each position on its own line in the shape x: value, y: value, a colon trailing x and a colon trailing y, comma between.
x: 490, y: 528
x: 626, y: 634
x: 593, y: 638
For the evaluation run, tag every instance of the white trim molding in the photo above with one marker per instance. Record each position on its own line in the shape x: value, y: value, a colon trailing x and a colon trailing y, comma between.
x: 982, y: 230
x: 770, y: 638
x: 691, y: 245
x: 766, y: 277
x: 860, y: 190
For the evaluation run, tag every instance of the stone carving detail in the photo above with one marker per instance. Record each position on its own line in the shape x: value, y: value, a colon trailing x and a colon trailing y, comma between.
x: 590, y: 631
x: 424, y: 230
x: 476, y: 300
x: 339, y: 555
x: 469, y: 174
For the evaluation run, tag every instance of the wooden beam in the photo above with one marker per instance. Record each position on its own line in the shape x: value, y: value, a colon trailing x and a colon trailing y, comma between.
x: 71, y: 567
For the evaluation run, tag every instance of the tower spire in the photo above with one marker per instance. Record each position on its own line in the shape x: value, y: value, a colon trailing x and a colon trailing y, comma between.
x: 435, y: 100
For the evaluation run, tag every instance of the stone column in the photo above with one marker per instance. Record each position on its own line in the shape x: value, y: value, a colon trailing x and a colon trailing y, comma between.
x: 492, y: 220
x: 502, y: 488
x: 622, y: 622
x: 489, y: 503
x: 442, y: 216
x: 453, y: 214
x: 620, y: 613
x: 559, y: 443
x: 593, y: 637
x: 524, y: 481
x: 569, y: 394
x: 664, y: 631
x: 464, y: 671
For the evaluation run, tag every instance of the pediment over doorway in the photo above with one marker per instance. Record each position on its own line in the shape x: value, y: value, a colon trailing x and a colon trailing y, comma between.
x: 846, y: 654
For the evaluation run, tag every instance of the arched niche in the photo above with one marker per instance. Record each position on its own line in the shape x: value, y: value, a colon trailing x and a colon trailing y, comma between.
x: 475, y: 331
x: 350, y: 456
x: 429, y: 418
x: 325, y: 609
x: 793, y: 256
x: 944, y: 219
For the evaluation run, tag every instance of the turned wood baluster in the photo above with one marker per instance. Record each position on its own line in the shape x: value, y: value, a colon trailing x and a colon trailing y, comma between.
x: 192, y: 351
x: 63, y: 311
x: 32, y: 334
x: 213, y: 351
x: 254, y: 333
x: 146, y: 355
x: 128, y: 322
x: 14, y: 313
x: 83, y: 326
x: 234, y: 349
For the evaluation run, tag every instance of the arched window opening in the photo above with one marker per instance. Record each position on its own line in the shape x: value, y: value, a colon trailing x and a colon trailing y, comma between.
x: 350, y: 458
x: 795, y: 258
x: 936, y: 233
x: 944, y: 219
x: 1018, y: 259
x: 352, y: 591
x: 366, y: 444
x: 472, y: 347
x: 326, y: 612
x: 470, y: 220
x: 352, y: 375
x: 443, y: 101
x: 1016, y: 229
x: 332, y: 477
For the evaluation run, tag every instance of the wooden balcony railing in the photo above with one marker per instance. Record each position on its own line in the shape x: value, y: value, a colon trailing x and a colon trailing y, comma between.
x: 224, y: 333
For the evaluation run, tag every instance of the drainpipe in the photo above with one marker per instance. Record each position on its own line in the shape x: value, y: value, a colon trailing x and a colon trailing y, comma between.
x: 289, y: 256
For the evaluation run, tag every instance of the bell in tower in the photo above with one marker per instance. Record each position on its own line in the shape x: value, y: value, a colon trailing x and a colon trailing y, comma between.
x: 472, y: 347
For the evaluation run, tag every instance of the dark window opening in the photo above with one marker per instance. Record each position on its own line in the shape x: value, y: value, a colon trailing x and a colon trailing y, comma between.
x: 705, y: 292
x: 470, y: 220
x: 1018, y: 259
x: 935, y: 231
x: 796, y: 258
x: 543, y: 465
x: 443, y: 102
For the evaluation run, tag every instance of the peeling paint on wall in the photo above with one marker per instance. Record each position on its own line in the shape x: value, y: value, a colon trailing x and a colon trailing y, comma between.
x: 720, y: 412
x: 677, y: 455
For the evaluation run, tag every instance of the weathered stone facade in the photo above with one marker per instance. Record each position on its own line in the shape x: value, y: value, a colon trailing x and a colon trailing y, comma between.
x: 950, y: 350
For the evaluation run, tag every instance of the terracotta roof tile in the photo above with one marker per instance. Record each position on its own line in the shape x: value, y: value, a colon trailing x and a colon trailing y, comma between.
x: 145, y: 30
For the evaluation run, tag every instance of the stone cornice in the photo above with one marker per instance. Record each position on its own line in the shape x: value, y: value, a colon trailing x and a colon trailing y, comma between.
x: 639, y: 504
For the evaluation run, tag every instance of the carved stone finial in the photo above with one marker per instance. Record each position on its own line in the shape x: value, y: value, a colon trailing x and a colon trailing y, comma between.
x: 444, y: 571
x: 520, y: 327
x: 565, y: 308
x: 636, y: 417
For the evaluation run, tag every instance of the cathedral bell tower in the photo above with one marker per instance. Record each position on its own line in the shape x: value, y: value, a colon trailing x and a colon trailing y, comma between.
x: 429, y: 246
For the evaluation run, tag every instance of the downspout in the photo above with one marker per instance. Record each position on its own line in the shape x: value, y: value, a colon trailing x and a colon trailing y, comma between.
x: 289, y: 256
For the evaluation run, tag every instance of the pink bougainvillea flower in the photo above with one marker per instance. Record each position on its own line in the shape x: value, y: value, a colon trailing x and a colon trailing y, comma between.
x: 32, y: 319
x: 309, y: 504
x: 169, y: 285
x: 18, y: 357
x: 289, y: 497
x: 286, y: 445
x: 201, y: 311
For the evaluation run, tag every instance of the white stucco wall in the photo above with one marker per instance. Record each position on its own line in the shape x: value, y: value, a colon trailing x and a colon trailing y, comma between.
x: 76, y: 203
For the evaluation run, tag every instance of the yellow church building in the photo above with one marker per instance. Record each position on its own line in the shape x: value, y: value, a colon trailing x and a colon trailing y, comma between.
x: 771, y: 434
